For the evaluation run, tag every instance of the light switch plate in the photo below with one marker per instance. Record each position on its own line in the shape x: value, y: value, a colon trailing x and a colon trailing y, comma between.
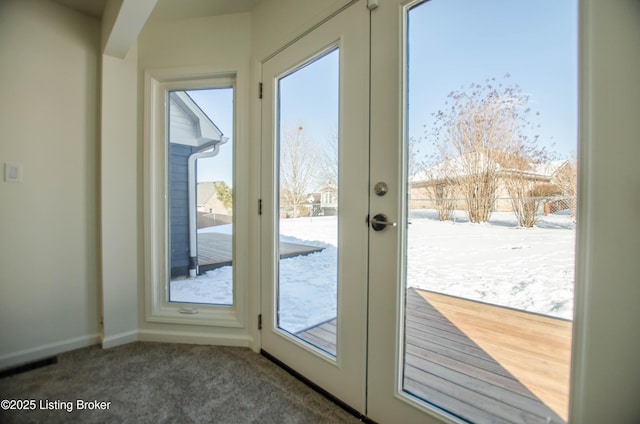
x: 12, y: 173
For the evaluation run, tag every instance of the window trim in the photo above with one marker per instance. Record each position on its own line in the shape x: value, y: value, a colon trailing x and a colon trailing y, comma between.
x: 158, y: 83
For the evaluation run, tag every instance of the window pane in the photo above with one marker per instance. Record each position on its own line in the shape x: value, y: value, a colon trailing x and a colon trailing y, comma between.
x: 491, y: 189
x: 200, y: 149
x: 308, y: 205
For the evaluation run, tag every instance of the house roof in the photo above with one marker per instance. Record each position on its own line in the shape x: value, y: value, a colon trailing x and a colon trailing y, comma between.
x: 206, y: 189
x: 455, y: 168
x: 439, y: 171
x: 550, y: 168
x: 207, y: 197
x: 190, y: 125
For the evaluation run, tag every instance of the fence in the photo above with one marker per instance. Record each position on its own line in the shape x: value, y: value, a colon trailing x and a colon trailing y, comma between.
x: 206, y: 219
x: 545, y: 205
x: 306, y: 210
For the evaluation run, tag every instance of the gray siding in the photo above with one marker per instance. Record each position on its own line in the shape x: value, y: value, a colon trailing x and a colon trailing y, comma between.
x: 183, y: 129
x: 179, y: 208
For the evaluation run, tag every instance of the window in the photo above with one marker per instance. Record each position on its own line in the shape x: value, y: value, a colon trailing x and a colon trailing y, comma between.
x: 190, y: 195
x: 200, y: 188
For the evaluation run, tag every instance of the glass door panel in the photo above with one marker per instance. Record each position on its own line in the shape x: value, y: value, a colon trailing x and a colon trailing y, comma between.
x: 491, y: 203
x: 308, y: 201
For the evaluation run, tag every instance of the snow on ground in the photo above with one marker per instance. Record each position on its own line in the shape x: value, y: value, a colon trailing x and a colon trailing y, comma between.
x: 531, y: 269
x: 213, y: 287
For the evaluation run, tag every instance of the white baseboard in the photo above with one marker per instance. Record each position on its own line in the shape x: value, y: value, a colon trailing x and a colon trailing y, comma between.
x: 193, y: 338
x: 52, y: 349
x: 45, y: 351
x: 120, y: 339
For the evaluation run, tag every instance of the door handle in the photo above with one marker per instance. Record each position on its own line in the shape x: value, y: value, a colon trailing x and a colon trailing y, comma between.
x: 379, y: 222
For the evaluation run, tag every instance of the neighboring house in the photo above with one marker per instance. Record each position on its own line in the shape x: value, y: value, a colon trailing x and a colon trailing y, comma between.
x: 329, y: 200
x: 442, y: 181
x: 211, y: 210
x: 192, y: 135
x: 322, y: 203
x: 310, y: 206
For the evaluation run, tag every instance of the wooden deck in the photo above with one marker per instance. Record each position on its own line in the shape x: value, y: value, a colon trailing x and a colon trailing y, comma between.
x: 322, y: 336
x: 485, y: 363
x: 215, y: 250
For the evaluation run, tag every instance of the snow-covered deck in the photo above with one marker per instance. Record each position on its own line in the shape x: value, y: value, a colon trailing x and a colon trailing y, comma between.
x: 215, y: 250
x: 482, y: 362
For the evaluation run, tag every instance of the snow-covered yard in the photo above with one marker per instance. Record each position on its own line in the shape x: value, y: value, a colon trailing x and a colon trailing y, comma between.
x: 531, y: 269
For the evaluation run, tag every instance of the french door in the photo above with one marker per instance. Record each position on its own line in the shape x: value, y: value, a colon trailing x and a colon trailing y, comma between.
x: 329, y: 279
x: 338, y: 251
x: 315, y: 202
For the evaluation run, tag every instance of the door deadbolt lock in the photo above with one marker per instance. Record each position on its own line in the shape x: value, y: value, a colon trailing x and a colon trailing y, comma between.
x: 381, y: 188
x: 380, y: 222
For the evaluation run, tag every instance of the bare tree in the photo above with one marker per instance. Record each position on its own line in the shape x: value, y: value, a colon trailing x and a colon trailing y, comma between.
x: 298, y: 160
x: 481, y: 131
x: 437, y: 182
x: 526, y: 192
x: 328, y: 161
x: 567, y: 180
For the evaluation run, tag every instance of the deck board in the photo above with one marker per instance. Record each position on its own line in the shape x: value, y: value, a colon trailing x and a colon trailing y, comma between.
x: 322, y: 336
x: 215, y: 250
x: 485, y: 363
x: 535, y: 349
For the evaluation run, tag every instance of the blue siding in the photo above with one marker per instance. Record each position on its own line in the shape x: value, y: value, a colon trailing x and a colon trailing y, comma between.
x: 179, y: 208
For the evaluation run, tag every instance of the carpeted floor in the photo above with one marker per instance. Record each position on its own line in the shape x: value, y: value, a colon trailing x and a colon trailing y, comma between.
x: 166, y: 383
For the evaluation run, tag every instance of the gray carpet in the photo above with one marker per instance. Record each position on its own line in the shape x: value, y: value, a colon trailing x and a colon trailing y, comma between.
x: 168, y: 383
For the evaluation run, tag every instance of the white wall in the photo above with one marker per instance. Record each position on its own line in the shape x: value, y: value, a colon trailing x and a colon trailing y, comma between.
x: 606, y: 372
x: 215, y: 40
x: 120, y: 191
x: 48, y: 226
